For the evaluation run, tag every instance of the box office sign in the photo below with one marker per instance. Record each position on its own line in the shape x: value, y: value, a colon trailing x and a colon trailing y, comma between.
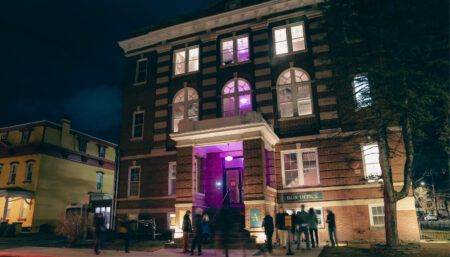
x: 301, y: 197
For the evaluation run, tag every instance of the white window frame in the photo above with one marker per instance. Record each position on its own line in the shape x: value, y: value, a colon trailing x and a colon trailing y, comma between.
x: 236, y: 95
x: 27, y: 170
x: 235, y: 50
x: 129, y: 182
x: 289, y: 38
x: 186, y: 60
x: 136, y: 75
x: 133, y: 125
x: 172, y: 166
x: 364, y: 159
x: 360, y: 104
x: 371, y: 215
x: 186, y: 102
x: 13, y: 167
x: 294, y: 90
x: 299, y: 165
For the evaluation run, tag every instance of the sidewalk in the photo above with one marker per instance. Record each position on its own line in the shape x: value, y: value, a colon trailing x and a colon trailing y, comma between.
x: 71, y: 252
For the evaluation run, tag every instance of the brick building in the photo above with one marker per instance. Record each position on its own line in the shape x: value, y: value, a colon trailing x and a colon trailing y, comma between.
x: 233, y: 106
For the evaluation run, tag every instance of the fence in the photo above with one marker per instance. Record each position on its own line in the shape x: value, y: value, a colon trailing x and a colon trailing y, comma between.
x: 437, y: 225
x: 435, y: 235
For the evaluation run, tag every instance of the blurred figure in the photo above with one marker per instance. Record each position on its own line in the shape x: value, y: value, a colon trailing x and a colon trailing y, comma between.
x: 187, y: 228
x: 205, y: 228
x: 279, y: 223
x: 267, y: 224
x: 124, y: 231
x: 303, y: 220
x: 295, y: 227
x: 99, y: 232
x: 313, y: 221
x: 331, y: 227
x: 197, y: 240
x: 224, y: 226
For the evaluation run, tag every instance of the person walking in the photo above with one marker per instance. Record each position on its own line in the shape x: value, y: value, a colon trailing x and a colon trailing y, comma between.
x: 279, y: 223
x: 205, y: 228
x: 197, y: 240
x: 187, y: 228
x: 124, y: 232
x: 99, y: 231
x: 267, y: 224
x: 303, y: 219
x: 331, y: 220
x: 313, y: 221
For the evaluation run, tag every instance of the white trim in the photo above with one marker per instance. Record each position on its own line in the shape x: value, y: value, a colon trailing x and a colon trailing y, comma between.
x: 300, y: 171
x: 136, y: 82
x: 289, y: 39
x: 129, y: 181
x: 133, y: 125
x: 186, y: 51
x: 371, y: 215
x: 170, y: 190
x: 363, y: 156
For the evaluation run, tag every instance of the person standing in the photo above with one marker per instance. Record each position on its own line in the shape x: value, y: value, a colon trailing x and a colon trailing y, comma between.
x: 331, y: 227
x: 187, y: 228
x: 303, y: 219
x: 124, y: 231
x: 197, y: 240
x: 279, y: 223
x: 313, y: 221
x: 267, y: 224
x: 205, y: 228
x: 99, y: 231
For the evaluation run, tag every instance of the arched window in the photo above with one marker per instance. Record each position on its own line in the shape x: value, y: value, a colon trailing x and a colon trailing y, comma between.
x: 185, y: 106
x: 236, y: 97
x: 294, y: 93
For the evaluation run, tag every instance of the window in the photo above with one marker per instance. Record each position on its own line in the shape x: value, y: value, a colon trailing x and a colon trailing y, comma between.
x: 300, y: 168
x: 25, y: 137
x: 24, y: 208
x: 236, y: 98
x: 141, y: 71
x: 13, y: 173
x: 172, y: 178
x: 4, y: 136
x: 235, y: 50
x: 376, y: 215
x: 1, y: 167
x: 82, y: 144
x: 186, y: 60
x: 185, y: 106
x: 29, y: 171
x: 294, y: 93
x: 8, y: 209
x: 138, y: 124
x: 319, y: 213
x: 289, y: 39
x: 106, y: 211
x: 99, y: 181
x: 361, y: 90
x: 101, y: 151
x: 134, y: 177
x: 172, y: 221
x: 372, y: 168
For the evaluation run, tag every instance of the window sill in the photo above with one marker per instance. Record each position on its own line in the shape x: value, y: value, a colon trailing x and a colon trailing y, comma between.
x: 224, y: 66
x: 291, y: 53
x: 380, y: 227
x: 136, y: 139
x: 139, y: 83
x: 185, y: 74
x: 297, y: 117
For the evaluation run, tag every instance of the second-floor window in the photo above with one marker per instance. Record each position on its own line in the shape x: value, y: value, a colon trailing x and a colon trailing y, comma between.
x: 99, y: 181
x: 134, y: 178
x: 289, y: 38
x: 300, y: 168
x: 236, y: 97
x: 294, y: 93
x: 141, y: 71
x: 172, y: 178
x: 138, y: 125
x: 361, y: 90
x: 185, y: 106
x: 186, y: 60
x: 372, y: 168
x: 29, y: 171
x: 13, y: 173
x: 25, y: 137
x: 235, y: 50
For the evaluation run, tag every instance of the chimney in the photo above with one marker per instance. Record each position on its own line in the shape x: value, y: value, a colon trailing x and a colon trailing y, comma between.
x: 66, y: 138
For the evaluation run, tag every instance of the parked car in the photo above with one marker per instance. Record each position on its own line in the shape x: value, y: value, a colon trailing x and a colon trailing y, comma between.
x: 430, y: 217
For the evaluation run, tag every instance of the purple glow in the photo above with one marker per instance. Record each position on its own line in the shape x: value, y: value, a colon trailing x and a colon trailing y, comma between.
x: 244, y: 100
x: 228, y: 158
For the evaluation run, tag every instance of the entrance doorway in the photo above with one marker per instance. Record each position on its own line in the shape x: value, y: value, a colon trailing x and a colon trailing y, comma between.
x: 233, y: 185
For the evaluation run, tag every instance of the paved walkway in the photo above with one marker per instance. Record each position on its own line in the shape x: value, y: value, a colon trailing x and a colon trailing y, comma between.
x: 70, y: 252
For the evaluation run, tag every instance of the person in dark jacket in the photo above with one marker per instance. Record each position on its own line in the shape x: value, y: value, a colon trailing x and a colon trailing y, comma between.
x: 99, y: 231
x: 197, y: 240
x: 267, y: 224
x: 187, y: 228
x: 303, y: 220
x: 124, y: 231
x: 205, y: 228
x: 331, y: 227
x: 313, y: 222
x: 279, y: 223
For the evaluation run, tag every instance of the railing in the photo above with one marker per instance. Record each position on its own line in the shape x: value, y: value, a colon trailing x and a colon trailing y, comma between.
x: 438, y: 225
x: 435, y: 235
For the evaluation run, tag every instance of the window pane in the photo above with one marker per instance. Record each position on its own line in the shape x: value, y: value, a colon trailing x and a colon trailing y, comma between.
x: 175, y: 122
x: 243, y: 86
x: 371, y: 160
x: 361, y: 90
x: 245, y: 104
x: 298, y: 42
x: 304, y: 100
x: 192, y: 94
x: 300, y: 76
x: 285, y: 94
x: 228, y: 107
x: 192, y: 109
x: 285, y: 78
x: 180, y: 60
x: 243, y: 53
x: 193, y: 59
x: 286, y: 109
x: 290, y: 170
x: 304, y: 91
x: 134, y: 174
x: 304, y: 107
x: 285, y: 98
x: 281, y: 46
x: 310, y: 168
x: 229, y: 88
x: 141, y: 70
x: 227, y: 52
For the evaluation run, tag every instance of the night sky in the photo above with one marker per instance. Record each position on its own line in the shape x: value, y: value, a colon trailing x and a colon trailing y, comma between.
x: 61, y: 58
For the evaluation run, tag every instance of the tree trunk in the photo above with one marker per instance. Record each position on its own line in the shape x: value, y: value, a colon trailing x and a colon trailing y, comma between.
x: 390, y: 220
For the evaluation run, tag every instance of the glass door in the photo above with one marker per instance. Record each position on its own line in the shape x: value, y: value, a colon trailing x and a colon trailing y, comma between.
x: 233, y: 178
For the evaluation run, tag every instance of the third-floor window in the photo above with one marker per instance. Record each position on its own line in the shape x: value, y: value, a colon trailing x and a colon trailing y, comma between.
x: 141, y: 71
x: 235, y: 50
x: 290, y: 38
x: 186, y: 60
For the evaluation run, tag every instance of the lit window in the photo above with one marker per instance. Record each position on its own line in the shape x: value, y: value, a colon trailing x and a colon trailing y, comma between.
x: 82, y: 144
x: 29, y: 171
x: 186, y: 60
x: 172, y: 178
x: 289, y: 39
x: 141, y: 71
x: 24, y: 208
x: 185, y: 106
x: 361, y: 90
x: 300, y: 168
x: 236, y: 97
x: 25, y: 137
x: 13, y: 173
x: 99, y: 181
x: 4, y: 136
x: 376, y: 215
x: 319, y: 214
x: 172, y: 220
x: 133, y: 181
x: 294, y: 93
x: 371, y: 160
x: 235, y: 50
x: 101, y: 151
x: 138, y: 124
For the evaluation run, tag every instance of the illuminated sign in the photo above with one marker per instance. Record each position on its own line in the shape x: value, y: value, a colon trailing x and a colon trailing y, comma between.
x: 301, y: 197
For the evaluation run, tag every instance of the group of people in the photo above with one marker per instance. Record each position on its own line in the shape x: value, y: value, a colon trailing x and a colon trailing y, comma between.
x: 200, y: 230
x: 299, y: 224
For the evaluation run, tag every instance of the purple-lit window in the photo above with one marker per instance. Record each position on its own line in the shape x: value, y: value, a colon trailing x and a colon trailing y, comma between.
x: 294, y: 93
x: 235, y: 50
x: 185, y: 106
x: 236, y: 98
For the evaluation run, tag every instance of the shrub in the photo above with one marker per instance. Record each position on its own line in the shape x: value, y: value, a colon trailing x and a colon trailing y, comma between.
x: 71, y: 227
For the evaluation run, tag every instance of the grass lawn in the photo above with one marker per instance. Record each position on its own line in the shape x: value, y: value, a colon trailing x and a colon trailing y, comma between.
x: 428, y: 250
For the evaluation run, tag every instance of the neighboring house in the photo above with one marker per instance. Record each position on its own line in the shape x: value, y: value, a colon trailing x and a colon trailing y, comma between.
x: 233, y: 108
x: 46, y: 167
